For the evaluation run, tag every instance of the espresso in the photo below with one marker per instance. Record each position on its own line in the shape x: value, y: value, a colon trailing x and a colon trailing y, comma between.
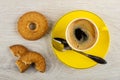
x: 81, y: 34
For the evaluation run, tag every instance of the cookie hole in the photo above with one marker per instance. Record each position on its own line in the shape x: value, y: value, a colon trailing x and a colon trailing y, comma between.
x: 32, y: 26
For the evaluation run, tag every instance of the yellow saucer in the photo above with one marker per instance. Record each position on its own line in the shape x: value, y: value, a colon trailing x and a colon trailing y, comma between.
x: 72, y: 58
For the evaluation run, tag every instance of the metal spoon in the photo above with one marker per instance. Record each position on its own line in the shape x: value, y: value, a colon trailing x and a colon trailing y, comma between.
x: 67, y: 47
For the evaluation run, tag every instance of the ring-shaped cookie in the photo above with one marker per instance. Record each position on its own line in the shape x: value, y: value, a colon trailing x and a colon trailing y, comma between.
x: 32, y: 25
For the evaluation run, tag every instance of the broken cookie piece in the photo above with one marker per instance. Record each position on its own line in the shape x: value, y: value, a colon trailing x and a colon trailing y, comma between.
x: 27, y: 57
x: 22, y: 66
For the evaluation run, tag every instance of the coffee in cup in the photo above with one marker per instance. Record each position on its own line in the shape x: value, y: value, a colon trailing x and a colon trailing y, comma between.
x: 81, y: 34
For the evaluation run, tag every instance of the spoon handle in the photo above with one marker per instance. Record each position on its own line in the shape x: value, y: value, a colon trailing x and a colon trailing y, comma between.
x: 95, y: 58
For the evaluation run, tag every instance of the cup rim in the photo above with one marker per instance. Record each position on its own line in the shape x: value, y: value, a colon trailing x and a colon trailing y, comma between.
x: 96, y: 31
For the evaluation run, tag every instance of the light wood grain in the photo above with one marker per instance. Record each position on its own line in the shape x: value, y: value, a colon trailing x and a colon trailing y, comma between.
x: 11, y: 10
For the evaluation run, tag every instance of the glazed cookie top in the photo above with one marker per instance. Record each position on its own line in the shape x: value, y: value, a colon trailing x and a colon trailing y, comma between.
x: 32, y: 25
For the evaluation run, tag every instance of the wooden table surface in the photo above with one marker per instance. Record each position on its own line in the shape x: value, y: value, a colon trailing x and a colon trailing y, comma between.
x: 11, y: 10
